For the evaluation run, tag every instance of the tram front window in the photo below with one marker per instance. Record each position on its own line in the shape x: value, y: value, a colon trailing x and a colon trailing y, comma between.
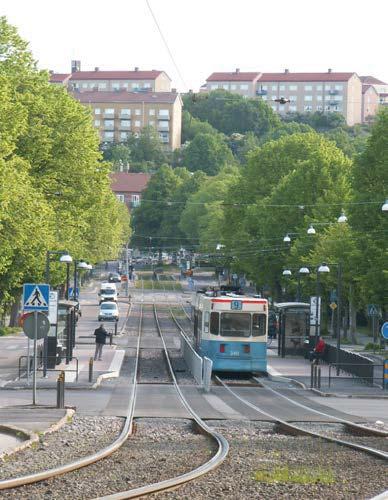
x: 235, y: 325
x: 258, y: 325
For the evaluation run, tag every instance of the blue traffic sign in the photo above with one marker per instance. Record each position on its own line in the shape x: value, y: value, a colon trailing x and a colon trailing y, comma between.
x: 71, y: 292
x: 384, y: 330
x: 36, y: 297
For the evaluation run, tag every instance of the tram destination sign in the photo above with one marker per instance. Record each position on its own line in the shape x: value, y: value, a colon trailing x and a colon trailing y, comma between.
x: 236, y: 305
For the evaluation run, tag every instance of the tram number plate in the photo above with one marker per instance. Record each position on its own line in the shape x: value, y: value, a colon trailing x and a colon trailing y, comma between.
x: 234, y: 353
x: 236, y: 305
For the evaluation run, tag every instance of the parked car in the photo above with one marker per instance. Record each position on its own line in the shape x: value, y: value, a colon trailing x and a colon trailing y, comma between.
x: 108, y: 312
x: 114, y: 278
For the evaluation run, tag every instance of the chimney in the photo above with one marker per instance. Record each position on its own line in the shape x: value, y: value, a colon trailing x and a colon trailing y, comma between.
x: 136, y: 68
x: 96, y: 68
x: 51, y: 72
x: 329, y: 70
x: 174, y: 91
x: 237, y: 70
x: 286, y: 71
x: 75, y: 66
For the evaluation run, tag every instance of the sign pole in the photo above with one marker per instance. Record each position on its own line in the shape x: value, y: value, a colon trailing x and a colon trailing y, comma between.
x: 35, y: 358
x: 28, y: 360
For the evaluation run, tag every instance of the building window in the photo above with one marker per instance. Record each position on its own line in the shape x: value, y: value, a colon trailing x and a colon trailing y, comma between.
x: 84, y: 85
x: 291, y: 108
x: 293, y: 87
x: 125, y: 85
x: 151, y: 123
x: 125, y: 112
x: 274, y: 107
x: 101, y: 86
x: 146, y: 85
x: 319, y: 107
x: 274, y: 88
x: 109, y: 111
x: 308, y: 108
x: 164, y: 136
x: 135, y: 200
x: 137, y: 123
x: 263, y: 87
x: 108, y: 135
x: 225, y: 86
x: 308, y: 97
x: 164, y: 124
x: 282, y: 87
x: 243, y: 86
x: 292, y: 98
x: 135, y: 85
x: 151, y: 112
x: 263, y: 97
x: 109, y: 123
x: 137, y: 112
x: 125, y: 123
x: 164, y: 112
x: 97, y: 123
x: 319, y: 98
x: 123, y: 136
x: 319, y: 87
x: 233, y: 86
x: 308, y: 87
x: 338, y: 87
x: 214, y: 86
x: 120, y: 197
x: 97, y: 111
x: 115, y: 86
x: 338, y: 97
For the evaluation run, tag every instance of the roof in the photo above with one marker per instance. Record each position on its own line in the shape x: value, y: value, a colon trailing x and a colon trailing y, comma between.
x: 371, y: 80
x: 59, y: 77
x: 305, y: 77
x: 129, y: 182
x: 365, y: 89
x: 116, y: 75
x: 125, y: 97
x: 234, y: 77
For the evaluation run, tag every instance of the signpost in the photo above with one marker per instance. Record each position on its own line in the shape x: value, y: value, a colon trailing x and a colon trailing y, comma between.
x: 36, y: 299
x: 374, y: 312
x: 384, y: 330
x: 315, y: 311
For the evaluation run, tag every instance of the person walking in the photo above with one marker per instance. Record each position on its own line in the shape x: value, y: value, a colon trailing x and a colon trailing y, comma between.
x: 101, y: 334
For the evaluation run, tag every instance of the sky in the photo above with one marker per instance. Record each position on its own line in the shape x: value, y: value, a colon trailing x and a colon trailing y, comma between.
x: 205, y: 35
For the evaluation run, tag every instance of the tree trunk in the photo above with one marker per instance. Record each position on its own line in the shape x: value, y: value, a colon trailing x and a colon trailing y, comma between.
x: 345, y: 321
x: 352, y: 317
x: 13, y: 319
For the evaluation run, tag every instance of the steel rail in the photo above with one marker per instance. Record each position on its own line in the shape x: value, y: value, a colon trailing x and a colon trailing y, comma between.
x: 347, y: 423
x: 89, y: 459
x: 215, y: 461
x: 293, y: 427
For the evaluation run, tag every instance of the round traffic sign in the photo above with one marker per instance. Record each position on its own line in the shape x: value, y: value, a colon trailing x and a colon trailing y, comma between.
x: 43, y: 325
x: 384, y: 330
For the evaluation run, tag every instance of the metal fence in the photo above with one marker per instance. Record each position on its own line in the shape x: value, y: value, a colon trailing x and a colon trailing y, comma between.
x: 350, y: 362
x: 364, y: 372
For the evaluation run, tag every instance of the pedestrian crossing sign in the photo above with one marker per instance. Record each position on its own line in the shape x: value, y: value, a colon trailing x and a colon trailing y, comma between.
x: 36, y: 297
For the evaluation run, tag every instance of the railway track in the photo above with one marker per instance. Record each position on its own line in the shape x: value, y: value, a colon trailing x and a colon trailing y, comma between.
x: 221, y: 445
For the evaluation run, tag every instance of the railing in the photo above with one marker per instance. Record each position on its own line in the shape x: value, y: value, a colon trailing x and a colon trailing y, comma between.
x: 367, y: 373
x: 38, y: 369
x: 349, y: 362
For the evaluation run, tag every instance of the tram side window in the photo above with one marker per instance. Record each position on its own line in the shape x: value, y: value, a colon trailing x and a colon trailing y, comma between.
x: 258, y: 325
x: 214, y: 323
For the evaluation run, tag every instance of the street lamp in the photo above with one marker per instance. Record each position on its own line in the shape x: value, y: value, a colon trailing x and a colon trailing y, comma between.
x: 287, y: 239
x: 323, y: 268
x: 78, y: 264
x: 305, y: 271
x: 384, y: 208
x: 311, y: 230
x: 67, y: 259
x: 342, y: 218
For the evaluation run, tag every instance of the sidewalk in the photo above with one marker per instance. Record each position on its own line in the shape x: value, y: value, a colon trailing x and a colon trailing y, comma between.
x: 299, y: 370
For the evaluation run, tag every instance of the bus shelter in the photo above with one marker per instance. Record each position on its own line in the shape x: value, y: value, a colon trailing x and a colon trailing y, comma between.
x: 61, y: 337
x: 294, y: 328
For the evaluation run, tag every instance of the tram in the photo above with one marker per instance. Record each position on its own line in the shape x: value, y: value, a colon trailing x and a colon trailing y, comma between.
x: 231, y: 330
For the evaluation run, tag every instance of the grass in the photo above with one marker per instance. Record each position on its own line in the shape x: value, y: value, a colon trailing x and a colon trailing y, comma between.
x: 9, y: 330
x: 298, y: 475
x: 158, y: 285
x: 370, y: 346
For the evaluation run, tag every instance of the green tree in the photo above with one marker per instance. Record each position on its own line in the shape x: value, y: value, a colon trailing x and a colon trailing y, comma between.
x: 206, y: 152
x: 230, y: 113
x: 147, y: 148
x: 119, y: 155
x: 318, y: 120
x: 192, y: 126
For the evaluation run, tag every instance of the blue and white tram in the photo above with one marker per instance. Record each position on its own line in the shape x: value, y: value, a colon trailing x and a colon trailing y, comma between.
x: 231, y: 330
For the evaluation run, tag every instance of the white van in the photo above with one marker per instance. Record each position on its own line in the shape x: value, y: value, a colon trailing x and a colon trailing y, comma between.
x: 108, y: 292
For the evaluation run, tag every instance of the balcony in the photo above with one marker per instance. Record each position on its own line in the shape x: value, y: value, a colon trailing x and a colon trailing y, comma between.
x: 164, y: 126
x: 109, y: 115
x: 261, y: 92
x: 334, y: 103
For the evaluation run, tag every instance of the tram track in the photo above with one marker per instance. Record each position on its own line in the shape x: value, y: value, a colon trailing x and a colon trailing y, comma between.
x: 87, y: 464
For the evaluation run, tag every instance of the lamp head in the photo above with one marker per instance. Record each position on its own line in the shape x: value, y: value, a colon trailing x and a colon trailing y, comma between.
x: 342, y: 218
x: 82, y: 265
x: 323, y: 268
x: 384, y: 208
x: 66, y: 258
x: 287, y: 239
x: 287, y: 272
x: 304, y: 270
x: 311, y: 230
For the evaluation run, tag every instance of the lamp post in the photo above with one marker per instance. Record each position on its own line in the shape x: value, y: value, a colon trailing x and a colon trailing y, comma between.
x: 323, y: 268
x: 67, y: 259
x: 78, y: 264
x: 302, y: 271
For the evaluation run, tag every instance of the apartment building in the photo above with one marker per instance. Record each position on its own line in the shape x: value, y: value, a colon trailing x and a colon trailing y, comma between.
x: 307, y: 92
x: 243, y: 83
x: 118, y: 114
x: 374, y: 95
x: 123, y: 102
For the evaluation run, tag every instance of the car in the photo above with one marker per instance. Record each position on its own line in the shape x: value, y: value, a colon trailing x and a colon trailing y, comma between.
x: 114, y: 278
x: 108, y: 312
x: 108, y: 292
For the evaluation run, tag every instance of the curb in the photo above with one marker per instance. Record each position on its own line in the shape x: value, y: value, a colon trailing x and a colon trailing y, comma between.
x: 33, y: 437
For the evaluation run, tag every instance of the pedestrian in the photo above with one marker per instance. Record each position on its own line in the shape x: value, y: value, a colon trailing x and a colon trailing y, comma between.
x: 101, y: 335
x: 319, y: 350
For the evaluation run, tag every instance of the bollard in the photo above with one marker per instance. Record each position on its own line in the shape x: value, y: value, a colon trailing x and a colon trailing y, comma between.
x: 116, y: 327
x: 312, y: 376
x: 319, y: 377
x: 91, y: 369
x: 61, y: 390
x: 315, y: 375
x: 110, y: 338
